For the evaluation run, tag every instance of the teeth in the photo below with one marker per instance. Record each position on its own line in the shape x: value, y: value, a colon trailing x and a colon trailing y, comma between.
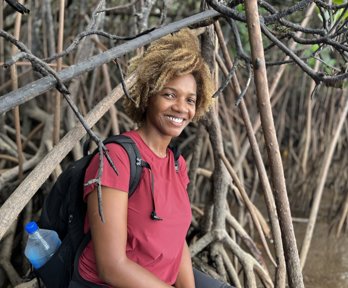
x: 176, y: 120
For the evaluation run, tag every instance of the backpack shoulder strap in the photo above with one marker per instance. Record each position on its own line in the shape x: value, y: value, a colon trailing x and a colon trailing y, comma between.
x: 134, y: 159
x: 177, y: 153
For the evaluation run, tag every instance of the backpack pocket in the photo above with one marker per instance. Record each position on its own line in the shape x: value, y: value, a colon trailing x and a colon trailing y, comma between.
x: 57, y: 271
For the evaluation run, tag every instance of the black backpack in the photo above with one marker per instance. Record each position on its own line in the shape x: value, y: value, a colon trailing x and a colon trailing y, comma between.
x: 64, y: 212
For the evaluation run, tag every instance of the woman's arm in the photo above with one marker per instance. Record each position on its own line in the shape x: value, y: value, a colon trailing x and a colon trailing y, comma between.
x: 109, y: 242
x: 185, y: 277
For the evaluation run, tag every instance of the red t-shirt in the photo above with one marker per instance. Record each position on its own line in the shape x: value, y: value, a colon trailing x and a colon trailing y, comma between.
x: 155, y: 245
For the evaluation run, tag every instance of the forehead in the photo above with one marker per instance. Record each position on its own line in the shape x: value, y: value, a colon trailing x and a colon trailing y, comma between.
x: 184, y: 83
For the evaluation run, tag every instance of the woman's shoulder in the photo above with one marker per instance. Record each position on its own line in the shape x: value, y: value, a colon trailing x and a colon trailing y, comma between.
x: 135, y: 137
x: 117, y: 148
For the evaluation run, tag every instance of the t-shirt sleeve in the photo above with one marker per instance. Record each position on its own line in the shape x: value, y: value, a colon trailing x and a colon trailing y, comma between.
x: 109, y: 178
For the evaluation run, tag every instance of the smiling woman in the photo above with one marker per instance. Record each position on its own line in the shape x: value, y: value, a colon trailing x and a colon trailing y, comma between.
x: 170, y: 110
x: 136, y: 247
x: 172, y: 56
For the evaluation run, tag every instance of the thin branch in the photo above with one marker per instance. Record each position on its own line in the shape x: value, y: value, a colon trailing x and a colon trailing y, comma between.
x: 38, y: 87
x: 321, y: 40
x: 10, y: 210
x: 241, y: 95
x: 281, y: 14
x: 317, y: 77
x: 18, y: 6
x: 124, y: 87
x: 270, y: 19
x: 119, y: 7
x: 164, y: 12
x: 45, y: 70
x: 286, y: 23
x: 228, y: 78
x: 328, y: 6
x: 237, y: 41
x: 84, y: 34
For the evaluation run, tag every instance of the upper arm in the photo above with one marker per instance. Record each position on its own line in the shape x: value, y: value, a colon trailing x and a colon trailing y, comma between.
x: 109, y: 238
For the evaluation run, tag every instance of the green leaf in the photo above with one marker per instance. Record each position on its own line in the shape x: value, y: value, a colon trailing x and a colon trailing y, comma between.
x: 240, y: 8
x: 314, y: 47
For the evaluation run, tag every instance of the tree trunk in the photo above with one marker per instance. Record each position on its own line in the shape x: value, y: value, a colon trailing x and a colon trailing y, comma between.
x: 276, y: 166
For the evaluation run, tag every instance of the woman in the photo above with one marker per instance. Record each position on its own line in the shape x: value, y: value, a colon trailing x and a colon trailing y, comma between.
x: 132, y: 249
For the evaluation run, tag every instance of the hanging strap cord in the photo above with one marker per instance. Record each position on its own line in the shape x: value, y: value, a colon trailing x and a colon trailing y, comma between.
x: 144, y: 164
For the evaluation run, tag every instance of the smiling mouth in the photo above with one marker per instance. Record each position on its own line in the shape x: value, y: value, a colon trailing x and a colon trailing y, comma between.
x: 175, y: 119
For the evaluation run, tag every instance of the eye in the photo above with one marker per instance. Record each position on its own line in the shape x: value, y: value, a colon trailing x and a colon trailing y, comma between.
x: 192, y: 100
x: 169, y: 95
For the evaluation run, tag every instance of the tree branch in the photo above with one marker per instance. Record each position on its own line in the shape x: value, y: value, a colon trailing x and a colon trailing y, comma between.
x: 317, y: 77
x: 40, y: 86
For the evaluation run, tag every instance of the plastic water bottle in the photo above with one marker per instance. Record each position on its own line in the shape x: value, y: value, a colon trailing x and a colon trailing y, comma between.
x: 41, y: 245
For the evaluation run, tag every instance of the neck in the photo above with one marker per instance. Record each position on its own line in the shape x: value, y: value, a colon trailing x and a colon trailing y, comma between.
x: 155, y: 142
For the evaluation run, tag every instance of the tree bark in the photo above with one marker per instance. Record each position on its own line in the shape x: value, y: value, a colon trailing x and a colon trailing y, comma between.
x: 280, y: 277
x: 279, y: 187
x: 321, y: 182
x: 30, y: 91
x: 10, y: 210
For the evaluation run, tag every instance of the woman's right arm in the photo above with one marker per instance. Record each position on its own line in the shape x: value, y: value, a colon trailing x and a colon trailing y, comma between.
x: 109, y: 242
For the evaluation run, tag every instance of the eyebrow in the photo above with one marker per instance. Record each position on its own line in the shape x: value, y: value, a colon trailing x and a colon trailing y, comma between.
x: 175, y: 90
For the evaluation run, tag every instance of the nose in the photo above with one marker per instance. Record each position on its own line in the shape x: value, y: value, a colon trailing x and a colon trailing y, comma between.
x: 180, y: 106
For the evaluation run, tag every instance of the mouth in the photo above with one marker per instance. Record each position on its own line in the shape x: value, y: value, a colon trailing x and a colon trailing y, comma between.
x: 176, y: 120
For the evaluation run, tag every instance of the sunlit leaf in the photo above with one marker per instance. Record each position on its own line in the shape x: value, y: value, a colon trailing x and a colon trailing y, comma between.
x: 314, y: 47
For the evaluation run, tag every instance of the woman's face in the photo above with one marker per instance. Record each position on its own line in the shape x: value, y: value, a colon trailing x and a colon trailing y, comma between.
x: 172, y: 109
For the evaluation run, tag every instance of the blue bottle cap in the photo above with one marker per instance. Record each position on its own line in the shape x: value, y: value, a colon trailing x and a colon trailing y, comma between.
x: 31, y: 227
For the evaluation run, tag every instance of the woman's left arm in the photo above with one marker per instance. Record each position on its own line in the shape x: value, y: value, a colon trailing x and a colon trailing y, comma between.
x: 185, y: 277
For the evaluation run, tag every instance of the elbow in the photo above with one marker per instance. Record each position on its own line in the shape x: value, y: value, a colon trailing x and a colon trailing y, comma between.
x: 104, y: 274
x: 110, y: 272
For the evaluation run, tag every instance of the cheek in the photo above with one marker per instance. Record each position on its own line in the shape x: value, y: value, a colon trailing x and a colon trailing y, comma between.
x: 192, y: 112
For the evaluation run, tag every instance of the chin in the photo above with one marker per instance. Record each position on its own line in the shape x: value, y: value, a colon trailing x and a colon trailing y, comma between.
x: 174, y: 133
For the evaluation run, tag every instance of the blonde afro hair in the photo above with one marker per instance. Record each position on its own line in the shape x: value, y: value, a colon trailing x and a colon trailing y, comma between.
x: 169, y: 57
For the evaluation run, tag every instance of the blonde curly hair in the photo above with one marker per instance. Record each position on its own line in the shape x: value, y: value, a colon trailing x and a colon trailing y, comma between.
x: 169, y: 57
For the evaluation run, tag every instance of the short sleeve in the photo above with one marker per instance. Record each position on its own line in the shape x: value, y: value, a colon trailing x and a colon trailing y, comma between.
x: 109, y: 177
